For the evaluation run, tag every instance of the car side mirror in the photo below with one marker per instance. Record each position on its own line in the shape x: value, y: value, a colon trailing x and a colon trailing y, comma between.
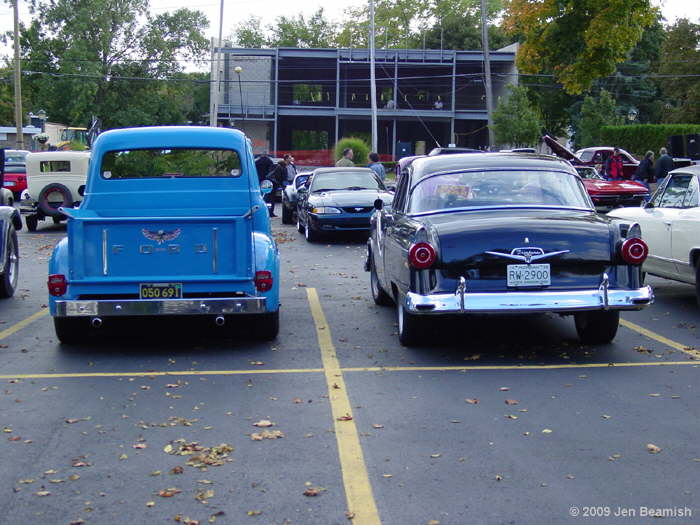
x: 378, y: 204
x: 265, y: 187
x: 648, y: 205
x: 81, y: 190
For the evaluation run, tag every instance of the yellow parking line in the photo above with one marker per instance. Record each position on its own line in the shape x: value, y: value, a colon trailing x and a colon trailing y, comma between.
x: 660, y: 338
x: 358, y: 491
x: 18, y: 326
x: 160, y: 374
x: 511, y: 367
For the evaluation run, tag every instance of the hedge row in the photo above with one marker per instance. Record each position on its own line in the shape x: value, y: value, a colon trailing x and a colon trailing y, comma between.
x: 639, y: 138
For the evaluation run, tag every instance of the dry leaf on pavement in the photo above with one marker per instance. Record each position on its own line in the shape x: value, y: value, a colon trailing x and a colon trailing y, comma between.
x: 653, y: 449
x: 264, y: 423
x: 472, y: 401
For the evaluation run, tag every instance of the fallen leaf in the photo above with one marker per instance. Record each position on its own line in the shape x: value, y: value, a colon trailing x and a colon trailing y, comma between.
x: 25, y: 481
x: 472, y: 401
x: 139, y: 445
x: 346, y: 417
x: 254, y: 512
x: 43, y: 493
x: 73, y: 477
x: 570, y: 476
x: 203, y: 495
x: 349, y: 515
x: 266, y: 434
x: 312, y: 491
x: 387, y: 475
x: 654, y: 395
x: 377, y: 425
x: 297, y: 400
x: 168, y: 449
x: 156, y: 473
x: 177, y: 470
x: 504, y: 389
x: 653, y: 449
x: 72, y: 420
x: 499, y: 477
x: 433, y: 522
x: 511, y: 416
x: 546, y: 431
x: 511, y: 402
x: 435, y: 455
x: 605, y: 416
x: 168, y: 493
x: 123, y: 457
x: 150, y: 504
x: 264, y: 423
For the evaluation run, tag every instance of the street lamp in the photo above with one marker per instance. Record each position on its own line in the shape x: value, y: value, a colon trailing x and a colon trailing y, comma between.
x: 632, y: 114
x: 43, y: 117
x: 238, y: 70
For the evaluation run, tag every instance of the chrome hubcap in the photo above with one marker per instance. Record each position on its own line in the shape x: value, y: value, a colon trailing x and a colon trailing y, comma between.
x: 12, y: 270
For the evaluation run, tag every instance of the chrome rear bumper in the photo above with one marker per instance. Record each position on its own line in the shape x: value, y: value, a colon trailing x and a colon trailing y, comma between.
x: 149, y: 307
x: 461, y: 301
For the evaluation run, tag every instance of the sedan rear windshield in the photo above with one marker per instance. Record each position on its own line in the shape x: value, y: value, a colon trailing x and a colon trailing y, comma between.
x: 477, y: 189
x: 345, y: 180
x: 170, y: 162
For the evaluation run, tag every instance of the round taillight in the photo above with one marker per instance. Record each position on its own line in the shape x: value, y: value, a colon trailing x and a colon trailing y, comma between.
x: 421, y: 255
x: 634, y: 251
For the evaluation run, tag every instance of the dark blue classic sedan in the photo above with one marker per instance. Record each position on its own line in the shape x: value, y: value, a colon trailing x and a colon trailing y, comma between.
x: 502, y: 233
x: 339, y: 199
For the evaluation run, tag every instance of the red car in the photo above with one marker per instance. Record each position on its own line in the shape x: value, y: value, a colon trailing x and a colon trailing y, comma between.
x: 611, y: 193
x: 16, y: 179
x: 593, y: 156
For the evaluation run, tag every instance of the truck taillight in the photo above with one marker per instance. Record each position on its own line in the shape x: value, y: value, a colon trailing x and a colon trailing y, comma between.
x: 421, y: 255
x: 263, y: 281
x: 634, y: 251
x: 57, y: 284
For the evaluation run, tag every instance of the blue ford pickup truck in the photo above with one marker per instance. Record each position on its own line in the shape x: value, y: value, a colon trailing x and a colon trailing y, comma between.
x: 172, y: 224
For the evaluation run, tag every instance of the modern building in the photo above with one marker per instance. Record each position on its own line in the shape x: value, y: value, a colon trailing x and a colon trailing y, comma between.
x: 304, y: 100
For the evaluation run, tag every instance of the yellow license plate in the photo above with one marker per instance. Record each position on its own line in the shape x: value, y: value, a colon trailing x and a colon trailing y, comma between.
x: 160, y: 291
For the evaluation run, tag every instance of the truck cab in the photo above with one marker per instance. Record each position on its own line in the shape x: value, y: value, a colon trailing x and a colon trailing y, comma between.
x: 172, y: 224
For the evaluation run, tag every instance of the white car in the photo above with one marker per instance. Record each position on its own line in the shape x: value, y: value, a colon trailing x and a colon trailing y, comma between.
x: 55, y: 179
x: 670, y: 225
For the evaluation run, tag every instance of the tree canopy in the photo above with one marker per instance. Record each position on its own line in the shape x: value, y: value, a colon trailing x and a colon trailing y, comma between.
x: 516, y: 121
x: 112, y: 59
x: 577, y: 41
x: 679, y: 68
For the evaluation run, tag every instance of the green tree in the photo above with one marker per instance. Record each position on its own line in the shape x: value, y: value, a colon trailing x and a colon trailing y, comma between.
x: 578, y: 41
x: 110, y: 59
x: 250, y: 34
x: 298, y: 31
x: 680, y: 60
x: 516, y: 121
x: 596, y: 112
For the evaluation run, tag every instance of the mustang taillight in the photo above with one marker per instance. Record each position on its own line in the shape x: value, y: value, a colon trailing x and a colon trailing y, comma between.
x: 421, y: 255
x: 634, y: 251
x: 263, y: 281
x: 57, y: 284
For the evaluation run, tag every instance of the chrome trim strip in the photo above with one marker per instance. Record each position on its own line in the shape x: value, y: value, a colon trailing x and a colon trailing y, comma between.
x: 105, y: 262
x: 215, y: 250
x: 603, y: 290
x: 529, y: 302
x: 512, y: 207
x: 461, y: 289
x: 136, y: 307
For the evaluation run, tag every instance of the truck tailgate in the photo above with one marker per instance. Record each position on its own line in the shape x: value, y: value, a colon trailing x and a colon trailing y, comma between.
x: 161, y: 249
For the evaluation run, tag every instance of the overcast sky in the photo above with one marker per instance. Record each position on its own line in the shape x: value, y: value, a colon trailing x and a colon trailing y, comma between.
x: 236, y: 11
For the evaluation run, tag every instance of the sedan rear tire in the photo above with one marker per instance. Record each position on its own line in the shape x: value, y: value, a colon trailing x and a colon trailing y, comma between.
x: 597, y: 327
x: 379, y: 296
x: 9, y: 278
x: 410, y: 326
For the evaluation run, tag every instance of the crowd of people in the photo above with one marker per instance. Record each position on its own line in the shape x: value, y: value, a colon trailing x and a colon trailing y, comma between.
x: 649, y: 172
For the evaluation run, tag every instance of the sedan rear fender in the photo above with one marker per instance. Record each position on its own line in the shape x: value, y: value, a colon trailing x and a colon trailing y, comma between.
x: 423, y: 280
x: 624, y: 275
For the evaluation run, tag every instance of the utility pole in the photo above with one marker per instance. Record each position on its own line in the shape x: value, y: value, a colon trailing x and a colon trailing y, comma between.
x: 18, y: 81
x: 487, y: 71
x: 214, y: 111
x: 372, y: 80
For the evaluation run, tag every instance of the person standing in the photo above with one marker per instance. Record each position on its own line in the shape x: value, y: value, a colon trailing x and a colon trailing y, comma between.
x: 263, y: 165
x: 276, y: 177
x: 645, y: 170
x: 346, y: 160
x: 291, y: 169
x: 614, y: 166
x: 663, y: 165
x: 376, y: 166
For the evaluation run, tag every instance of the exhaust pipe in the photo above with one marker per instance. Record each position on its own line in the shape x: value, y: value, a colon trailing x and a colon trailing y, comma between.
x: 96, y: 322
x: 220, y: 320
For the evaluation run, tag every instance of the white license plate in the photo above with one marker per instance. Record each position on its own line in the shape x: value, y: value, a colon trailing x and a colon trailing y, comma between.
x: 9, y: 183
x: 529, y: 275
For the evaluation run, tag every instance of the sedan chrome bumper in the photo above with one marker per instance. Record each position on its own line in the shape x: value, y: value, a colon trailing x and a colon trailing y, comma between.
x: 149, y: 307
x: 462, y: 301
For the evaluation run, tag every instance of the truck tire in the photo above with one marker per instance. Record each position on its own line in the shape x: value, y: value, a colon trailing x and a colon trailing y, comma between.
x: 48, y: 199
x: 266, y: 326
x: 597, y: 327
x: 286, y: 214
x: 32, y: 221
x: 9, y: 278
x: 71, y: 330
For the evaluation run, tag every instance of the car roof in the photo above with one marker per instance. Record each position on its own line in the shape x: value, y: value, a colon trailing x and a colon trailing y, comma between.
x: 169, y: 137
x: 341, y: 169
x: 691, y: 170
x: 425, y: 166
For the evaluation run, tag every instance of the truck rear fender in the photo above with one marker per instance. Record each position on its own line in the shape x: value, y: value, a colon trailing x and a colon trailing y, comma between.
x: 267, y: 258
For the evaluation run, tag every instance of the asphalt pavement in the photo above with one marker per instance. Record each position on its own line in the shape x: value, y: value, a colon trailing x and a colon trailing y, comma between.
x: 498, y: 420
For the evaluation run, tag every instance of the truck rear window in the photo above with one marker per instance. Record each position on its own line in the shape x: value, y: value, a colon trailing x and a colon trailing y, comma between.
x: 170, y: 162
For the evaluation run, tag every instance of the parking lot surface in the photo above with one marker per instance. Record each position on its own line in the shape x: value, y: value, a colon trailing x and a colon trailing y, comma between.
x: 497, y: 420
